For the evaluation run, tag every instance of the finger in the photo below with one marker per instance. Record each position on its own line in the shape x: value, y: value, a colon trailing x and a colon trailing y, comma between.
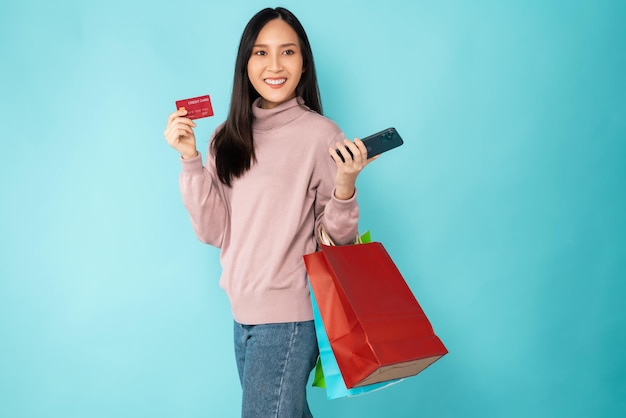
x: 175, y: 132
x: 181, y: 123
x: 361, y: 146
x: 357, y: 156
x: 182, y: 131
x: 178, y: 113
x: 184, y: 121
x: 345, y: 151
x: 335, y: 155
x: 369, y: 160
x: 173, y: 129
x: 178, y: 116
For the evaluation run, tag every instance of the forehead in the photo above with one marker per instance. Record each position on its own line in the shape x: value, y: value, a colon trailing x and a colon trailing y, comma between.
x: 277, y: 31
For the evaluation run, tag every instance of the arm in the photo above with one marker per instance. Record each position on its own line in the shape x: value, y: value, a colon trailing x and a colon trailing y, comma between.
x: 198, y: 186
x: 336, y: 206
x: 348, y: 170
x: 203, y: 200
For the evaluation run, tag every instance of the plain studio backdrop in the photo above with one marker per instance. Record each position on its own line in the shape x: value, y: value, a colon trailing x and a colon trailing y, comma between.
x: 504, y: 210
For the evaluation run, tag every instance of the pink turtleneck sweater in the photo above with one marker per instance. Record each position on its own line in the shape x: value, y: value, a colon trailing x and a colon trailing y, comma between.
x: 265, y: 222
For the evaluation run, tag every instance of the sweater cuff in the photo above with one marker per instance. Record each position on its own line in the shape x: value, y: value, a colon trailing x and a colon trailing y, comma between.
x: 192, y: 165
x: 341, y: 219
x: 344, y: 203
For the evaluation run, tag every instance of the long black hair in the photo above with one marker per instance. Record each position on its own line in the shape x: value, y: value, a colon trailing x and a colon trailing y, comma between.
x: 233, y: 145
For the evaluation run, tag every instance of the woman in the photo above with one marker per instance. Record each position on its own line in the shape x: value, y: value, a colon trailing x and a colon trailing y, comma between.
x: 272, y: 177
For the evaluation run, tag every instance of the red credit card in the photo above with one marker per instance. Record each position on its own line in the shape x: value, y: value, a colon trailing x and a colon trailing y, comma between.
x: 197, y: 107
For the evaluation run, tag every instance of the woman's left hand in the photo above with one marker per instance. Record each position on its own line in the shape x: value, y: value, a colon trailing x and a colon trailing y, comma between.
x: 348, y: 170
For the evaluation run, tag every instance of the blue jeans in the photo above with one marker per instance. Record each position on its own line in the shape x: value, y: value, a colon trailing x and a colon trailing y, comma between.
x: 274, y: 363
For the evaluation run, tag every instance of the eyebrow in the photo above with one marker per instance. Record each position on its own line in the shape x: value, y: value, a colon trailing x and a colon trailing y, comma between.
x: 281, y: 46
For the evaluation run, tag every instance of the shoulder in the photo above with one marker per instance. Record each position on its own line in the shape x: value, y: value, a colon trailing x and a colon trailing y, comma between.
x: 320, y: 121
x: 319, y: 127
x: 319, y: 133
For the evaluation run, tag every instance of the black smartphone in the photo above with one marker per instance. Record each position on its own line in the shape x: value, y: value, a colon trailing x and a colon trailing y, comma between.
x: 378, y: 143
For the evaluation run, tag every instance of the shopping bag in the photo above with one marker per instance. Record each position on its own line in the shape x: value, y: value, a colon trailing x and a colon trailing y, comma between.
x: 376, y: 328
x: 327, y: 374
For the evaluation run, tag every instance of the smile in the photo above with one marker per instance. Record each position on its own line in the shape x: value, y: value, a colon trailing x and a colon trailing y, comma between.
x: 275, y: 82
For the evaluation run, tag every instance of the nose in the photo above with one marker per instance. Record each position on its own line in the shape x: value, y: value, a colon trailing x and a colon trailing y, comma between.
x: 275, y: 63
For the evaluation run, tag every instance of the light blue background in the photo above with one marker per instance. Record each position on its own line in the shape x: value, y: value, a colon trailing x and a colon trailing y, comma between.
x: 504, y: 209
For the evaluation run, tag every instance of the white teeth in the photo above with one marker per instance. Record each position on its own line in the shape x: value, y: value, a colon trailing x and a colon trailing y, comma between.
x: 276, y: 82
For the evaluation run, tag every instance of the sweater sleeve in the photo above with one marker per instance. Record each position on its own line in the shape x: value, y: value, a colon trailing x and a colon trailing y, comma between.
x: 338, y: 217
x: 203, y: 200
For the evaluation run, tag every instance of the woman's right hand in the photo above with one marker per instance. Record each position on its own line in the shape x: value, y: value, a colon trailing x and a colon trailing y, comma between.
x: 179, y: 134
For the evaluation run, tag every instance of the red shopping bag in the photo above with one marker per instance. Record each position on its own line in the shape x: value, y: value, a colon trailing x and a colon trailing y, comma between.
x: 376, y: 328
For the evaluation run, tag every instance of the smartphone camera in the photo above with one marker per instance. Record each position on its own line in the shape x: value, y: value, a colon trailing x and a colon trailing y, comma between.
x: 387, y: 136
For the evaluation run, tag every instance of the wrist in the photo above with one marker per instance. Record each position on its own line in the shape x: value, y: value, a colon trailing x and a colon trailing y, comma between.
x: 344, y: 193
x: 189, y: 156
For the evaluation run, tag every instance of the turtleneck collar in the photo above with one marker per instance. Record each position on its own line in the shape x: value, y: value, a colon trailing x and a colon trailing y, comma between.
x: 266, y: 119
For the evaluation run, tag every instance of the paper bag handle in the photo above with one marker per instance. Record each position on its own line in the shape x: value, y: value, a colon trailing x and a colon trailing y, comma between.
x: 325, y: 239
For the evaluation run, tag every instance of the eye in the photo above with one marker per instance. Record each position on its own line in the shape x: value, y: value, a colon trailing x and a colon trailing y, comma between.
x: 289, y: 52
x: 260, y: 53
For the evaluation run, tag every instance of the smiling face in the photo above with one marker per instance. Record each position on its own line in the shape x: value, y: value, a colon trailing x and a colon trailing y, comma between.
x: 276, y: 65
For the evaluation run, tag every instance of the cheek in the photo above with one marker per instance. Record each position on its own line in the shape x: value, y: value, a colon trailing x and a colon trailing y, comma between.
x: 298, y: 69
x: 300, y: 73
x: 254, y: 66
x: 252, y: 74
